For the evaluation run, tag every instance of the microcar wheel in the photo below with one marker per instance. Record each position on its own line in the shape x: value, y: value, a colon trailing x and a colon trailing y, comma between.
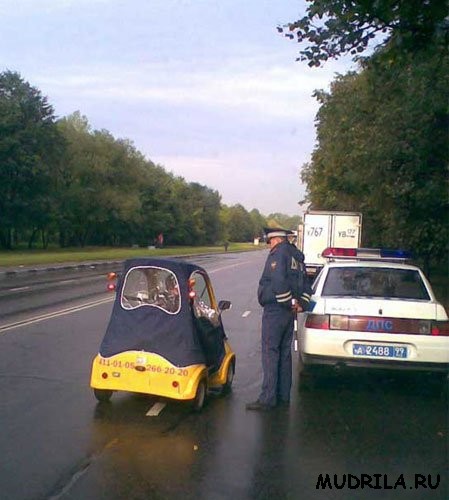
x: 200, y: 396
x: 103, y: 395
x: 229, y: 378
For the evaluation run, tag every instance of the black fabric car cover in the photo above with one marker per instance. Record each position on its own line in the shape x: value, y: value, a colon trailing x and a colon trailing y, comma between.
x: 151, y: 329
x: 212, y: 341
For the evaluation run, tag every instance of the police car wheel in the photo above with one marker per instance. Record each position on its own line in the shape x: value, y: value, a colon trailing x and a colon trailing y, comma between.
x: 229, y: 378
x: 103, y: 395
x: 200, y: 396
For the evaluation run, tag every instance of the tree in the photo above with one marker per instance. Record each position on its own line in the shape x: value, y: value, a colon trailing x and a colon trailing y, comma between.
x: 285, y: 221
x: 99, y: 188
x: 30, y: 148
x: 110, y: 194
x: 332, y: 28
x: 382, y: 150
x: 240, y: 224
x: 258, y: 221
x: 211, y: 214
x: 157, y: 196
x: 196, y: 209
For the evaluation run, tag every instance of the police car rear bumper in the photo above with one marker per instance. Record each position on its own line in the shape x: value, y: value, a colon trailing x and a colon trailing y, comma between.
x: 387, y: 364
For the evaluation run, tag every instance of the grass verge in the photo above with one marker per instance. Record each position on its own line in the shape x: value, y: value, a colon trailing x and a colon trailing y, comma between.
x: 40, y: 257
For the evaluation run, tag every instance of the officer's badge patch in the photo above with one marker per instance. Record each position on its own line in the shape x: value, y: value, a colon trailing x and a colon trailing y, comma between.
x: 273, y: 265
x: 294, y: 264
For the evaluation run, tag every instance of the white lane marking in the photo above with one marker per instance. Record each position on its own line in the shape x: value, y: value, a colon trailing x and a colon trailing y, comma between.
x: 63, y: 312
x: 84, y: 467
x: 19, y: 288
x: 228, y: 267
x: 156, y: 409
x: 246, y: 314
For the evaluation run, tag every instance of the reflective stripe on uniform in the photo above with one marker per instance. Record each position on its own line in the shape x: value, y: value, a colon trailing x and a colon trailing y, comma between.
x: 306, y: 297
x: 284, y: 297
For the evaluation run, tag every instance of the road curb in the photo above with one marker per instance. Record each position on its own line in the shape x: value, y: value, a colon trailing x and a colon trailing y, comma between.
x: 55, y: 267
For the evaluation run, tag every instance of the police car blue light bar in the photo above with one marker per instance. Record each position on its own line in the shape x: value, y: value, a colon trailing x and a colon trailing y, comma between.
x: 395, y: 254
x: 366, y: 254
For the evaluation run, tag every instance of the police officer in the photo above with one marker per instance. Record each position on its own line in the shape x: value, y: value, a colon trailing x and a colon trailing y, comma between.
x: 283, y: 291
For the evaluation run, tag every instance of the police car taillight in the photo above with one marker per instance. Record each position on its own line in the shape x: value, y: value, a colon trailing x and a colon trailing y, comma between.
x: 318, y: 321
x: 440, y: 328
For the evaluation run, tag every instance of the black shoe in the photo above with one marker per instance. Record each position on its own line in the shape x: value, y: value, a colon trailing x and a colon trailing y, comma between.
x: 258, y: 406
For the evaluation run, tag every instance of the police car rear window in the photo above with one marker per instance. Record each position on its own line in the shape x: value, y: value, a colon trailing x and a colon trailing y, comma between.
x: 375, y: 282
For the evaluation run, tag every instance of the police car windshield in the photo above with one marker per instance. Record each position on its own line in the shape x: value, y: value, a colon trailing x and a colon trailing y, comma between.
x: 375, y: 282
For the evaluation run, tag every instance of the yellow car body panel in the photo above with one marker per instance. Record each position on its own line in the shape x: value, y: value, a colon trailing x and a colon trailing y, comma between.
x: 219, y: 377
x: 148, y: 373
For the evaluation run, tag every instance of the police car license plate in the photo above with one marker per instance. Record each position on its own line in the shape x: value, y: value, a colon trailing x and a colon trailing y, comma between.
x: 379, y: 351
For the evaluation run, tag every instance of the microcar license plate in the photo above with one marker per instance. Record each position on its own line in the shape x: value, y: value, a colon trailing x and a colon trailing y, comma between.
x: 379, y: 351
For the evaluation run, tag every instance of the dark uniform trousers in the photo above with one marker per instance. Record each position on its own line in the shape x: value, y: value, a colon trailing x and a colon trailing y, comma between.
x: 277, y: 334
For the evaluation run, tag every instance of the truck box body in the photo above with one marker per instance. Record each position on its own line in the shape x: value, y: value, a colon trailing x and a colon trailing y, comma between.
x: 322, y: 229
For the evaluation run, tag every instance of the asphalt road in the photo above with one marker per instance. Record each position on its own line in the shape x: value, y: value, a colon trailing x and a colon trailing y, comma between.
x: 58, y: 443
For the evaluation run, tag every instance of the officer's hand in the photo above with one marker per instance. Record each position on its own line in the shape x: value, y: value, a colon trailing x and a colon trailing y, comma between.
x: 296, y: 307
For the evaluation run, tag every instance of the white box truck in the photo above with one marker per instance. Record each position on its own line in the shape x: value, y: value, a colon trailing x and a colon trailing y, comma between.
x: 322, y: 229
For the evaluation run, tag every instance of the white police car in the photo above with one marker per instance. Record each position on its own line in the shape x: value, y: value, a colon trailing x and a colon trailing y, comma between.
x: 370, y: 309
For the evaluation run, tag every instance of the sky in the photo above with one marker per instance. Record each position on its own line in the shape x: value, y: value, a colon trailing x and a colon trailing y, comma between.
x: 206, y: 88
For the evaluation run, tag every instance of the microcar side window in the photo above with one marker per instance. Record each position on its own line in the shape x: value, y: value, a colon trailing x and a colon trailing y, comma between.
x: 202, y: 300
x: 151, y: 286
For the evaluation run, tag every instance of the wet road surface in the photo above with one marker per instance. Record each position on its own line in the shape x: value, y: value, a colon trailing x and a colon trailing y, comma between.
x: 347, y: 429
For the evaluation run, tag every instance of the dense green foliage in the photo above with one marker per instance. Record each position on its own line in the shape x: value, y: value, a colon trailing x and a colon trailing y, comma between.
x: 382, y: 150
x: 75, y: 186
x: 331, y: 28
x: 382, y: 137
x: 285, y: 221
x: 30, y: 152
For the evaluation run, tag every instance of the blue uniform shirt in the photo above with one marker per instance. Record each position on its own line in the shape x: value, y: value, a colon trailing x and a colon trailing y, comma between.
x: 283, y: 278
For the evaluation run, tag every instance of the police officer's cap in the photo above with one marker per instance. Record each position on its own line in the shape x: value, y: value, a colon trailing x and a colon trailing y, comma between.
x: 273, y: 232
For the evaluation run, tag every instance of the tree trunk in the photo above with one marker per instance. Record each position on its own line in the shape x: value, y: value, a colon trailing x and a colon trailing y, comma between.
x: 6, y: 239
x: 44, y: 239
x: 31, y: 239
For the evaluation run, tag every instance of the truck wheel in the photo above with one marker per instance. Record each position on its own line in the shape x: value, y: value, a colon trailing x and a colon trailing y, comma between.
x: 227, y: 386
x: 103, y: 395
x: 200, y: 396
